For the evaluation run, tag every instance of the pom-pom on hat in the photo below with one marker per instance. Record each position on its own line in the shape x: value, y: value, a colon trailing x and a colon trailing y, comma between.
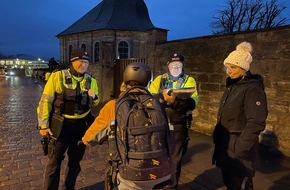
x: 176, y: 57
x: 241, y: 57
x: 79, y: 54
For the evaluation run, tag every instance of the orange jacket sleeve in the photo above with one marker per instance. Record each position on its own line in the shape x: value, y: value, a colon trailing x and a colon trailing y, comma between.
x: 100, y: 126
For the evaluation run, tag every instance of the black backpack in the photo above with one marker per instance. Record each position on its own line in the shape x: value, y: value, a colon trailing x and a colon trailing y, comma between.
x: 142, y: 136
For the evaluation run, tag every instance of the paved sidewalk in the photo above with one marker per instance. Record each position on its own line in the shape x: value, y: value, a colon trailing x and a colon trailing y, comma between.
x: 22, y: 162
x: 198, y: 173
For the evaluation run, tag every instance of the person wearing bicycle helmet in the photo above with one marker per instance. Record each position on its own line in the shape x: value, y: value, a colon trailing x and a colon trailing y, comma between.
x: 135, y: 84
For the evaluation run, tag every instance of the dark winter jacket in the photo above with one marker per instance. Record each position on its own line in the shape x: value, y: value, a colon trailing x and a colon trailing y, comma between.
x: 241, y: 117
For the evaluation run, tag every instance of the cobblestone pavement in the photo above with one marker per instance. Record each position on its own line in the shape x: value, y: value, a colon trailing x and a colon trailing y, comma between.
x: 22, y: 162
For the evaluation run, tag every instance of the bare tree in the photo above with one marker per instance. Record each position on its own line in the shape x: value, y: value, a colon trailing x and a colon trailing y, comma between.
x: 244, y: 15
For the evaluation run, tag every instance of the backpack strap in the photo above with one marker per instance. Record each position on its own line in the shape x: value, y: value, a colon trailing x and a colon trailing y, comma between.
x: 135, y: 87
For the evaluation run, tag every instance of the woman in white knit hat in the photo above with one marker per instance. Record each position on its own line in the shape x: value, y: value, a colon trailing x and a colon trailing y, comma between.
x: 241, y: 117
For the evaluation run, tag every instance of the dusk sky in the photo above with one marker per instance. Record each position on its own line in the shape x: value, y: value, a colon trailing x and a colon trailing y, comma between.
x: 30, y: 26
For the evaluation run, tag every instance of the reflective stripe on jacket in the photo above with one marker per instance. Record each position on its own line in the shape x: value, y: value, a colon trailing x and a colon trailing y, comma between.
x: 55, y: 85
x: 188, y: 82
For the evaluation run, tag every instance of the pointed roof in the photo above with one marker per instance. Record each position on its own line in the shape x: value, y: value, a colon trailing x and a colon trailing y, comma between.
x: 113, y: 15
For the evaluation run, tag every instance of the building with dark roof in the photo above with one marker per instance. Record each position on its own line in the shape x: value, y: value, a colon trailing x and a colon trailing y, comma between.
x: 113, y: 15
x: 114, y: 30
x: 111, y: 30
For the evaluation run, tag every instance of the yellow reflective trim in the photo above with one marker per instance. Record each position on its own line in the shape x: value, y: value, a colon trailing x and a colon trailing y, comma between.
x: 76, y: 116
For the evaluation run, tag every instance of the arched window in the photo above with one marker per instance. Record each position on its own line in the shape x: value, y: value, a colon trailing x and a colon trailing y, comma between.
x: 84, y: 47
x: 123, y: 50
x: 97, y: 52
x: 70, y: 49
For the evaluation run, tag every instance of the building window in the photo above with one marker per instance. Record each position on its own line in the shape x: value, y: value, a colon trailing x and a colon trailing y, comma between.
x: 123, y: 50
x: 84, y: 47
x: 97, y: 52
x: 70, y: 49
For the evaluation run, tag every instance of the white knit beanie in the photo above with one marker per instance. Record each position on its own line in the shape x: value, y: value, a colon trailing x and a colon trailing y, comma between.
x: 241, y: 57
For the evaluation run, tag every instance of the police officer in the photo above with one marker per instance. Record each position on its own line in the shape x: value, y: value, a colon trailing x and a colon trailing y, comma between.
x: 64, y: 115
x: 178, y: 106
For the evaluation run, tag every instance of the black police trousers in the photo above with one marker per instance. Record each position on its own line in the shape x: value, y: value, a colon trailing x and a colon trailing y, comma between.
x: 72, y: 132
x: 180, y: 149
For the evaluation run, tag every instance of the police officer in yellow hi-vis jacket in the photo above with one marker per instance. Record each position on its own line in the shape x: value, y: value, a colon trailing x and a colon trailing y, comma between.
x: 179, y: 106
x: 64, y: 115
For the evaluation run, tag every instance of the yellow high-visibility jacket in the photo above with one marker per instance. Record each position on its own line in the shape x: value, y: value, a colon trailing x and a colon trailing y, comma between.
x: 188, y: 82
x: 55, y: 84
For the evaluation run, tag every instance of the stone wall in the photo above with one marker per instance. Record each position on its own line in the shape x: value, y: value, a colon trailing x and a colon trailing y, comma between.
x: 204, y: 61
x: 138, y: 42
x: 103, y: 70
